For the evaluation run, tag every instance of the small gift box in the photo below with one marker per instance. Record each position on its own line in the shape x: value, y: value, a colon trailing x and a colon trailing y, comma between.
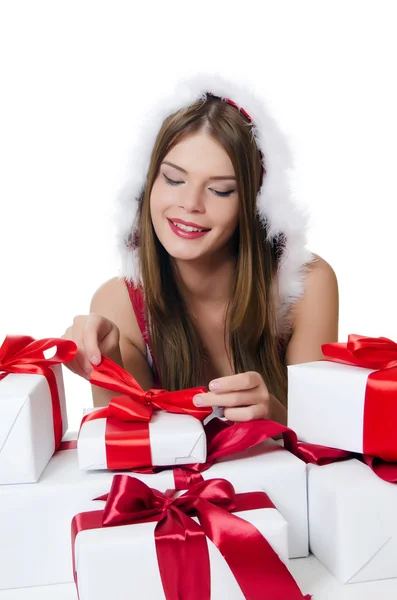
x: 44, y: 511
x: 152, y: 545
x: 171, y: 439
x: 353, y: 521
x: 32, y: 405
x: 349, y: 400
x: 141, y: 428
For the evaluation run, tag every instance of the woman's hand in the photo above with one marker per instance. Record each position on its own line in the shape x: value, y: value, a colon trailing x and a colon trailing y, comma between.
x: 95, y: 336
x: 244, y: 397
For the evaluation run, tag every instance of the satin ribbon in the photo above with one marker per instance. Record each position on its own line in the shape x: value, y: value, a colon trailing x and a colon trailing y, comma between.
x: 225, y: 439
x: 24, y: 354
x: 380, y: 404
x: 128, y: 415
x: 373, y: 353
x: 181, y: 546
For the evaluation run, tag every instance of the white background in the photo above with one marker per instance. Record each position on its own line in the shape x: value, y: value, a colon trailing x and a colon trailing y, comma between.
x: 74, y: 76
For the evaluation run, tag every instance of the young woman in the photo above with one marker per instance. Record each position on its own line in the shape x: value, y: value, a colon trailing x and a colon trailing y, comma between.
x: 218, y: 288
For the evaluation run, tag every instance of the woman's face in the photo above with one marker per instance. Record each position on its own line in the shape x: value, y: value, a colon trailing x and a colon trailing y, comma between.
x: 194, y: 200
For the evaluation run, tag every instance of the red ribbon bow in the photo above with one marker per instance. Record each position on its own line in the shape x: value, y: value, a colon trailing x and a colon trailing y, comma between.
x: 380, y: 404
x: 127, y: 416
x: 181, y: 545
x: 24, y: 354
x: 361, y: 351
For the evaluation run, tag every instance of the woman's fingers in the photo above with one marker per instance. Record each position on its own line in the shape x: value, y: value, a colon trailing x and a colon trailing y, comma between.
x: 234, y: 383
x: 89, y: 344
x: 231, y: 399
x: 247, y: 413
x: 244, y: 397
x: 80, y: 363
x: 82, y: 366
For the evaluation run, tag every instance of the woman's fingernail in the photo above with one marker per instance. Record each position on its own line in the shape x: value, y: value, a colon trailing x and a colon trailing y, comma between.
x: 214, y: 385
x: 94, y: 360
x: 198, y: 401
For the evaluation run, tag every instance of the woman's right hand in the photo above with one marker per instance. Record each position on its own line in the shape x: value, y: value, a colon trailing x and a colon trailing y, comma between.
x: 94, y: 336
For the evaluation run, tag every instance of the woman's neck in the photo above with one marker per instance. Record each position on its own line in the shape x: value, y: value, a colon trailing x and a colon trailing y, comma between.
x: 206, y: 282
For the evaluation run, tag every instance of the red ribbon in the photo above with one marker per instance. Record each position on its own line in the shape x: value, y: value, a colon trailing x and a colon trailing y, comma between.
x: 380, y: 420
x: 181, y: 545
x: 128, y: 415
x: 380, y: 404
x: 225, y: 439
x: 24, y: 354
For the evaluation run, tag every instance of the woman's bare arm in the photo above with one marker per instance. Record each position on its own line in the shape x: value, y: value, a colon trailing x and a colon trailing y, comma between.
x: 113, y: 302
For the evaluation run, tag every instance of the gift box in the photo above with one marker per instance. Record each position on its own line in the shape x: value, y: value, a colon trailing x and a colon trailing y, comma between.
x: 172, y: 439
x: 43, y: 512
x: 352, y: 521
x: 33, y: 416
x: 136, y: 560
x: 26, y: 425
x: 348, y: 401
x: 140, y: 428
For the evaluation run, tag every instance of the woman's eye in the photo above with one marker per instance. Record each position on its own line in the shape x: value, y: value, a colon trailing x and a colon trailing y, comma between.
x: 171, y: 181
x: 223, y: 194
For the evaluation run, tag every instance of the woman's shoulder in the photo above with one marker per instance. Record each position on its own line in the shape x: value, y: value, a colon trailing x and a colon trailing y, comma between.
x: 317, y: 264
x: 114, y: 300
x: 114, y: 292
x: 319, y: 278
x: 320, y: 285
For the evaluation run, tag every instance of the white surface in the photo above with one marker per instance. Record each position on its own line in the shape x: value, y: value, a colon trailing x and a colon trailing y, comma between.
x: 309, y: 573
x: 26, y: 425
x: 35, y: 519
x: 121, y: 563
x: 318, y: 394
x: 352, y: 521
x: 174, y: 440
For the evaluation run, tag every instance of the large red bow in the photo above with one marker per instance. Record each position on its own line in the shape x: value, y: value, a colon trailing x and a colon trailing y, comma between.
x: 24, y: 354
x: 181, y: 545
x: 127, y: 416
x: 380, y: 404
x: 361, y: 351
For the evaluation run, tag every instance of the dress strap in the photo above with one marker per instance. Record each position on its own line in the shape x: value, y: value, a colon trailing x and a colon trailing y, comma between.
x: 136, y: 297
x: 138, y: 304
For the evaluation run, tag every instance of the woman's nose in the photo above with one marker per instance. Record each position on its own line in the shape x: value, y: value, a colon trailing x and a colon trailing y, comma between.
x: 193, y: 200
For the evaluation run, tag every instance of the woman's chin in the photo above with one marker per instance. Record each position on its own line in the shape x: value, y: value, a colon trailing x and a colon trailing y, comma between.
x: 186, y: 256
x: 185, y: 250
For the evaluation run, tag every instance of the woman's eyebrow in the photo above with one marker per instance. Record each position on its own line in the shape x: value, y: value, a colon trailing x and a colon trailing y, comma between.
x: 217, y: 177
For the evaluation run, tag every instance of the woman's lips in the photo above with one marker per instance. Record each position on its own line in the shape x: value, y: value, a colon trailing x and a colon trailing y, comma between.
x: 187, y: 235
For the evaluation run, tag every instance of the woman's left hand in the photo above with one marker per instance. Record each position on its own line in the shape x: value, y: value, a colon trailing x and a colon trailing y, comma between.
x: 244, y: 397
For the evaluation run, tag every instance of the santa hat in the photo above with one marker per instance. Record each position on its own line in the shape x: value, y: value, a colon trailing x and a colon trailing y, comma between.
x: 275, y: 205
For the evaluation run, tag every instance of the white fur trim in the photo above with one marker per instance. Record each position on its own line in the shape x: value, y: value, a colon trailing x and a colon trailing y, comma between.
x: 274, y: 201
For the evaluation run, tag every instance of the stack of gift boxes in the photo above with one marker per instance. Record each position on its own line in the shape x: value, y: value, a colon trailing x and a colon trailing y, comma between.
x: 126, y: 507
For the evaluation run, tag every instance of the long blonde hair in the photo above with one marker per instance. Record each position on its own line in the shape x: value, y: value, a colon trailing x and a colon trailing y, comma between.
x: 251, y: 323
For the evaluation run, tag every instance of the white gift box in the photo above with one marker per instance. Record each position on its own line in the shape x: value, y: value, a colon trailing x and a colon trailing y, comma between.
x: 174, y: 440
x: 121, y: 562
x: 353, y: 521
x: 26, y: 425
x: 318, y: 394
x: 35, y: 520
